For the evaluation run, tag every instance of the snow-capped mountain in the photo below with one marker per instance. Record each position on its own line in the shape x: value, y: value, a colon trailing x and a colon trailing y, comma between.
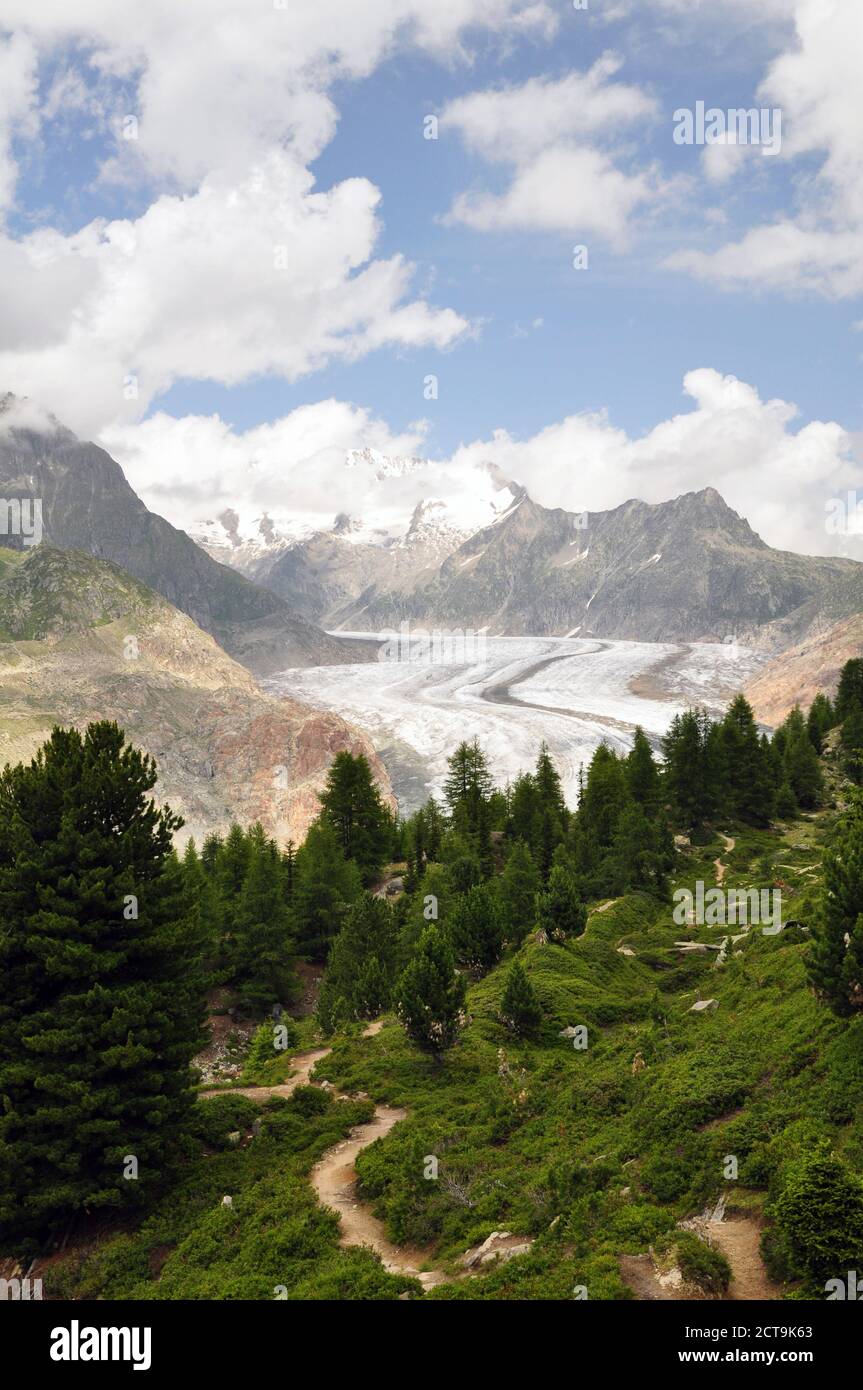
x: 408, y: 515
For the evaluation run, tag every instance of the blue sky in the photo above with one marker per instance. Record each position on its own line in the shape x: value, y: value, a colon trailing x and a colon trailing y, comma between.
x: 451, y: 256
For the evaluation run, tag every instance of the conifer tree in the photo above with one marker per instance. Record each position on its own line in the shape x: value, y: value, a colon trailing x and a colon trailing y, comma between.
x: 476, y: 927
x: 362, y: 962
x: 849, y: 696
x: 800, y: 762
x: 102, y: 990
x: 692, y: 768
x: 852, y: 746
x: 520, y: 883
x: 325, y: 884
x: 786, y: 802
x: 430, y: 995
x: 261, y: 948
x: 748, y: 772
x: 352, y: 805
x: 642, y: 773
x: 835, y: 960
x: 560, y: 912
x: 520, y: 1008
x: 430, y: 903
x: 820, y: 720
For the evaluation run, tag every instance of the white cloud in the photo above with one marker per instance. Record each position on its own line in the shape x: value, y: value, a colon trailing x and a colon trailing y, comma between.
x: 562, y: 190
x: 18, y: 116
x: 192, y: 469
x: 513, y: 124
x: 232, y: 101
x: 217, y: 81
x: 556, y: 135
x: 819, y: 248
x: 268, y: 276
x: 777, y: 475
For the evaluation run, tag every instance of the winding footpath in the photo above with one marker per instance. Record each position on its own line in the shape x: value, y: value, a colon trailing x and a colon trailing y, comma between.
x: 334, y: 1177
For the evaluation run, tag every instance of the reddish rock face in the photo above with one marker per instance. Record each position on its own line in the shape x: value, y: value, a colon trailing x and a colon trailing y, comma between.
x: 224, y: 749
x: 797, y: 676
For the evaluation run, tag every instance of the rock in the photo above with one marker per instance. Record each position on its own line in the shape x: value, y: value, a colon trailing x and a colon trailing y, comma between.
x: 494, y: 1247
x: 625, y: 951
x: 568, y: 1032
x: 703, y: 1005
x: 227, y: 1201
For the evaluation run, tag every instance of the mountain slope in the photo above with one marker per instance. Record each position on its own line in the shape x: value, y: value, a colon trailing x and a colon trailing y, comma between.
x: 686, y: 570
x: 80, y: 640
x: 88, y: 505
x: 798, y: 674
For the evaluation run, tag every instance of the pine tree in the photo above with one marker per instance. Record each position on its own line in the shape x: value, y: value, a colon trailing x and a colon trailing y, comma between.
x: 520, y: 883
x: 231, y: 866
x: 520, y: 1008
x: 430, y: 995
x: 560, y: 913
x: 524, y: 810
x: 352, y: 805
x: 820, y: 720
x: 467, y: 790
x: 434, y: 829
x: 786, y: 802
x: 835, y: 960
x: 852, y: 746
x: 361, y: 966
x: 431, y: 903
x: 748, y: 772
x: 800, y: 762
x: 289, y: 864
x: 476, y: 928
x: 640, y: 855
x: 102, y: 991
x: 261, y: 948
x: 642, y: 773
x: 202, y: 907
x: 693, y: 766
x: 605, y: 795
x: 325, y: 884
x: 461, y: 860
x: 849, y: 696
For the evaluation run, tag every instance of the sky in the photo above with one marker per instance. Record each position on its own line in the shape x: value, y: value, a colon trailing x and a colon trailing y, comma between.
x: 239, y: 238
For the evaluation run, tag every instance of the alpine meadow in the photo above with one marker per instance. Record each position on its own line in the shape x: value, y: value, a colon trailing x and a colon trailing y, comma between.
x: 431, y: 675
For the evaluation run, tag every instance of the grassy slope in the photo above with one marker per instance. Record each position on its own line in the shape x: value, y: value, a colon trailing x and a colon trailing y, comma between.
x: 575, y: 1148
x: 535, y: 1132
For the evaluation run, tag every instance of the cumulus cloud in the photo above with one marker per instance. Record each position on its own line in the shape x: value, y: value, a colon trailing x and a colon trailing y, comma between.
x: 240, y: 265
x: 559, y: 138
x: 18, y: 106
x: 230, y: 79
x: 237, y: 280
x: 776, y: 474
x: 778, y: 477
x: 192, y: 469
x: 820, y: 247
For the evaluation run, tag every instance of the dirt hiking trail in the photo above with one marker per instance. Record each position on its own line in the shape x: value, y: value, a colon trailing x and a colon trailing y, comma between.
x: 718, y: 865
x: 334, y: 1177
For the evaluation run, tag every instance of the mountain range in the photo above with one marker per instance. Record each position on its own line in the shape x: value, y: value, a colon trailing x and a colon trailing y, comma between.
x: 88, y: 505
x: 80, y: 639
x: 479, y: 553
x: 689, y: 569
